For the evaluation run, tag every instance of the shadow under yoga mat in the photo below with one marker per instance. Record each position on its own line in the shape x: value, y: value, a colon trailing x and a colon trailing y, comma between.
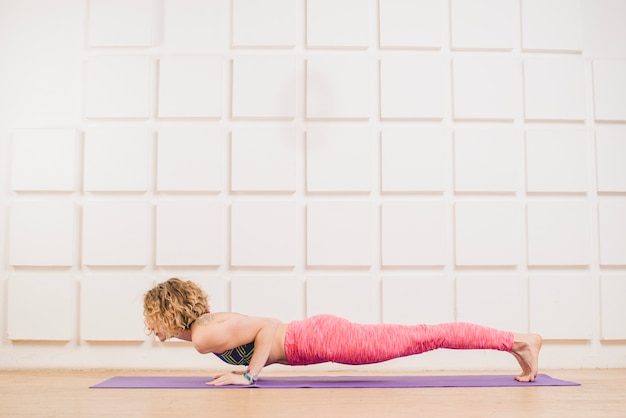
x: 287, y: 382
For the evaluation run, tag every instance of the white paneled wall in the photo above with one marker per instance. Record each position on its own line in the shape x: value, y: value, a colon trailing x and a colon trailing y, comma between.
x: 383, y: 160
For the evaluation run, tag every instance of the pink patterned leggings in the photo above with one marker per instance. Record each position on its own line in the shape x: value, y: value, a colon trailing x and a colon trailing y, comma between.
x: 324, y: 338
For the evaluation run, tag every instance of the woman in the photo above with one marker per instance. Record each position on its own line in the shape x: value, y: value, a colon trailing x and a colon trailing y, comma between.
x: 180, y: 309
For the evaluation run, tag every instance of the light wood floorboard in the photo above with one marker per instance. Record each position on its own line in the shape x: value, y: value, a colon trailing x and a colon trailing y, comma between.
x: 67, y: 394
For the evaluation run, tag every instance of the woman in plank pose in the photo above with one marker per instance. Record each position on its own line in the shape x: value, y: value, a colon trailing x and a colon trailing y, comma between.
x: 180, y: 309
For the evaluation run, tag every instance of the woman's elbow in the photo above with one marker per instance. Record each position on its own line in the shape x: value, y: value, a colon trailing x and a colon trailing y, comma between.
x: 273, y: 323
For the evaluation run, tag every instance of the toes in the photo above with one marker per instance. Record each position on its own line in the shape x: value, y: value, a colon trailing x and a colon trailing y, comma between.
x: 525, y: 378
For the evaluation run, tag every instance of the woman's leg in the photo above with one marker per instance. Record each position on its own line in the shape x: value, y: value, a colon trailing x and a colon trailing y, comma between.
x: 326, y: 338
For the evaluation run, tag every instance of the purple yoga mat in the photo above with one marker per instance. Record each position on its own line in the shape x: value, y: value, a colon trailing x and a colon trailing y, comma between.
x: 287, y: 382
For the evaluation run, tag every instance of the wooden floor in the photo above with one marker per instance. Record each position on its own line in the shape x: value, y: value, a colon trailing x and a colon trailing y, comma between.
x: 67, y: 394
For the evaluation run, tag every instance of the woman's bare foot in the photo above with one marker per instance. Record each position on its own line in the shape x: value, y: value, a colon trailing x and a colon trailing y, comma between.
x: 526, y: 349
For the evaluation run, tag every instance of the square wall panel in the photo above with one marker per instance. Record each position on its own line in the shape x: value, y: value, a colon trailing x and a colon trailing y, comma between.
x: 120, y: 22
x: 115, y: 233
x: 415, y: 233
x: 264, y: 87
x: 41, y: 233
x: 264, y: 158
x: 610, y: 157
x: 190, y: 86
x: 559, y: 233
x: 189, y: 233
x: 49, y: 313
x: 604, y: 27
x: 43, y: 159
x: 190, y: 158
x: 340, y: 159
x: 328, y: 295
x: 557, y: 160
x: 116, y: 159
x: 258, y: 296
x: 111, y: 308
x: 612, y: 307
x: 486, y: 87
x: 552, y: 25
x: 612, y: 231
x: 554, y: 88
x: 411, y: 24
x: 265, y: 23
x: 413, y: 87
x: 338, y: 87
x: 493, y: 301
x: 487, y: 160
x: 264, y: 233
x: 415, y: 159
x: 118, y: 86
x: 609, y: 89
x: 561, y: 307
x: 489, y: 233
x: 340, y: 233
x: 413, y: 300
x: 483, y: 24
x: 337, y: 23
x: 195, y: 25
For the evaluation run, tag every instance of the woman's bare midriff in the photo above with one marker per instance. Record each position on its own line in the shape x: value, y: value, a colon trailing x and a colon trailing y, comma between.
x: 277, y: 354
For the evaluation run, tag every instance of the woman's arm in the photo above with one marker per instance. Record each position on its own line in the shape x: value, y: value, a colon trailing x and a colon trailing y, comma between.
x: 262, y: 347
x: 233, y: 332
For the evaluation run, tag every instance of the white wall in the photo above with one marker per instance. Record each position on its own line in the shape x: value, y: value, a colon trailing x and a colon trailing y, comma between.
x: 393, y: 160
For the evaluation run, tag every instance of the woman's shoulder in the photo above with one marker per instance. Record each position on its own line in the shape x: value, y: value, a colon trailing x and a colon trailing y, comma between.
x: 216, y: 317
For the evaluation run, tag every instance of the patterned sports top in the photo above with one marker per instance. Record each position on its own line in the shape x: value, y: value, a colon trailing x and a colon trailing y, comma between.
x: 238, y: 356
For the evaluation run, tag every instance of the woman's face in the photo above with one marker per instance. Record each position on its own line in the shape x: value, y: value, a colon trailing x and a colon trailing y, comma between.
x: 157, y: 331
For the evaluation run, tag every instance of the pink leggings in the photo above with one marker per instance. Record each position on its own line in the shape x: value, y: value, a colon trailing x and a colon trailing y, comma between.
x: 324, y: 338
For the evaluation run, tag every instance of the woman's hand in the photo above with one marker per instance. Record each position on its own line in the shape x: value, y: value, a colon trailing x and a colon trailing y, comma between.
x: 232, y: 378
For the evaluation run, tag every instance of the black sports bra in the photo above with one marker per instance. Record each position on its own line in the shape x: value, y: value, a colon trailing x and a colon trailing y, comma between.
x: 238, y: 356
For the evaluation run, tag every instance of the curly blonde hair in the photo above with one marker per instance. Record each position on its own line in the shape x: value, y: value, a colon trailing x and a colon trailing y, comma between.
x: 173, y: 306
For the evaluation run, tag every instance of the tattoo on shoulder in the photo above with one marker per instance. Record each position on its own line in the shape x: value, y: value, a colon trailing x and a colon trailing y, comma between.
x: 206, y: 319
